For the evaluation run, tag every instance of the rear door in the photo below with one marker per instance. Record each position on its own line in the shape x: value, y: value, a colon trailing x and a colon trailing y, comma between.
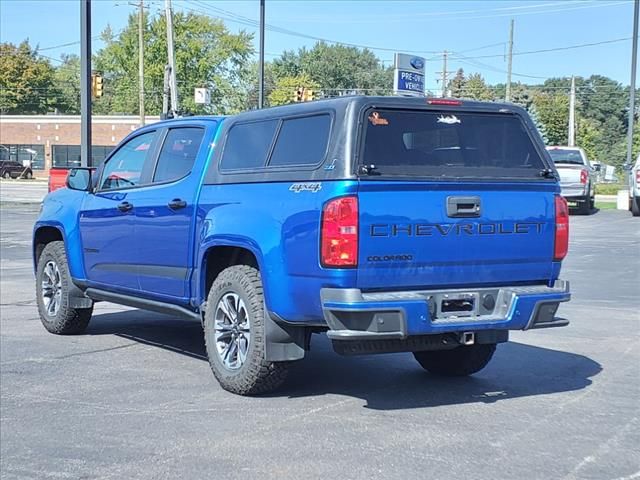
x: 453, y: 198
x: 165, y: 212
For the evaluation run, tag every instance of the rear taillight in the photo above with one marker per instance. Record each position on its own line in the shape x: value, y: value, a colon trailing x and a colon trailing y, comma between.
x: 638, y: 176
x: 49, y: 184
x: 339, y: 234
x: 561, y: 245
x: 584, y: 175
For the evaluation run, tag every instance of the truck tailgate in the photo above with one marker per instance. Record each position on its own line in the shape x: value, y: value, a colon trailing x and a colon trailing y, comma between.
x: 410, y: 237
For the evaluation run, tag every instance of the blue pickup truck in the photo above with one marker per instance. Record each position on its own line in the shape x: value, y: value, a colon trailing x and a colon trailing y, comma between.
x: 431, y: 226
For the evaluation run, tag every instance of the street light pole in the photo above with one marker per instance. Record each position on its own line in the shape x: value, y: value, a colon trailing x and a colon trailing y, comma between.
x: 261, y: 62
x: 85, y: 82
x: 632, y: 89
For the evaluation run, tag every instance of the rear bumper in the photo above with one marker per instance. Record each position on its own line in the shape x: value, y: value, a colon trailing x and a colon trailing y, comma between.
x: 354, y: 315
x: 574, y: 193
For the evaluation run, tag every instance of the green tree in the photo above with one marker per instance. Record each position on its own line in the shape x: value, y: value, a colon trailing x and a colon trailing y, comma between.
x: 457, y: 84
x: 476, y: 88
x: 206, y: 55
x: 66, y: 79
x: 521, y: 95
x: 26, y: 80
x: 587, y: 135
x: 286, y: 88
x: 533, y: 113
x: 337, y: 69
x: 552, y: 110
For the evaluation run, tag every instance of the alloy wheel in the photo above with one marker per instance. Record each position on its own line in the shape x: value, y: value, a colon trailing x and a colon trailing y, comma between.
x: 51, y: 288
x: 232, y: 331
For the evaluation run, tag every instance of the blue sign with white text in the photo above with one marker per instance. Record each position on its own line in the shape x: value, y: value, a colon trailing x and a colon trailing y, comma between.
x: 409, y: 81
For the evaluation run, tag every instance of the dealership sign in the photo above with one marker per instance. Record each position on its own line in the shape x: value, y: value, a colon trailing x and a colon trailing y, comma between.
x: 408, y: 75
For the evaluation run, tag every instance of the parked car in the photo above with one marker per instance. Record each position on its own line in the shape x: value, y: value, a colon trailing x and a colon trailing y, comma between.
x: 392, y: 224
x: 577, y: 179
x: 634, y: 187
x: 13, y: 169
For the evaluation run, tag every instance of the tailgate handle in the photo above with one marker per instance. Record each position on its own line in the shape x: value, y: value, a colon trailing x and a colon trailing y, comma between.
x: 463, y: 206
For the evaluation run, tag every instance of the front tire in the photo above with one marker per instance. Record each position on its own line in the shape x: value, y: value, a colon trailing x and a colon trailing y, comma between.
x: 6, y: 175
x: 458, y: 362
x: 53, y: 284
x: 235, y: 336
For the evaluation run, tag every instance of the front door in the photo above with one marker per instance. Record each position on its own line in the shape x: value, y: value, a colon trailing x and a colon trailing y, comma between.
x: 107, y: 217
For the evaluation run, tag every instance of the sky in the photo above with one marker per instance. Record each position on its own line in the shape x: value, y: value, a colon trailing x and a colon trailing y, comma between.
x: 474, y: 32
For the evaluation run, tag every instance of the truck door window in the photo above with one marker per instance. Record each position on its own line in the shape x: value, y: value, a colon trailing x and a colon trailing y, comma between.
x: 248, y: 145
x: 302, y: 141
x: 178, y: 154
x: 124, y: 168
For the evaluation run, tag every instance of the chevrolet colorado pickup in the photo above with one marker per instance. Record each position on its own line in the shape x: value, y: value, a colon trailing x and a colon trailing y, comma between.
x: 430, y: 226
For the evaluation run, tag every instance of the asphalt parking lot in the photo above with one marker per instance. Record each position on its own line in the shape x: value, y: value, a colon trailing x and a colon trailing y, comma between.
x: 134, y: 396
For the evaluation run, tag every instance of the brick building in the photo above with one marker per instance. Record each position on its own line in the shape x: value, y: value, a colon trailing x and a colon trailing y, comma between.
x: 44, y: 141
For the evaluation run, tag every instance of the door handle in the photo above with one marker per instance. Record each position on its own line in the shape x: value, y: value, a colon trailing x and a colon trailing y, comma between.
x: 464, y: 207
x: 125, y: 206
x: 177, y: 204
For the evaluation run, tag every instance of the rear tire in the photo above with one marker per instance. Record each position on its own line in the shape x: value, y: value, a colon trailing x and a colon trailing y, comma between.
x: 458, y: 362
x: 235, y: 336
x: 635, y: 207
x: 53, y: 284
x: 584, y: 208
x: 28, y: 176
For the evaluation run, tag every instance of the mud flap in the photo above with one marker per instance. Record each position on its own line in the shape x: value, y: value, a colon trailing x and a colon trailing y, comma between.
x: 284, y: 342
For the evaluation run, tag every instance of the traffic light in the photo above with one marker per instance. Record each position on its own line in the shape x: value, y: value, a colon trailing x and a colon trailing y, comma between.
x: 97, y: 85
x: 307, y: 95
x: 298, y: 96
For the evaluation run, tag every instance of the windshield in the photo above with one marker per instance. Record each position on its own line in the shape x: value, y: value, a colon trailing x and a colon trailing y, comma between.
x: 561, y: 155
x: 449, y: 144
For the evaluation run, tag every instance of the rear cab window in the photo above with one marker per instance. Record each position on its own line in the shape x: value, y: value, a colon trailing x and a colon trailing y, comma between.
x: 566, y: 156
x: 449, y: 144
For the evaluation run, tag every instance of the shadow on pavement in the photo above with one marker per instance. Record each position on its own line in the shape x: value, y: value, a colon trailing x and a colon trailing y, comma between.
x: 385, y: 382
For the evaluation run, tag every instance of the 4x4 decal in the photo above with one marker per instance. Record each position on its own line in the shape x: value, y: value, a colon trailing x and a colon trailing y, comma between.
x: 305, y: 187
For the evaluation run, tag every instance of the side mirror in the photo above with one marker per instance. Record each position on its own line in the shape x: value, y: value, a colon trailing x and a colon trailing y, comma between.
x: 80, y: 179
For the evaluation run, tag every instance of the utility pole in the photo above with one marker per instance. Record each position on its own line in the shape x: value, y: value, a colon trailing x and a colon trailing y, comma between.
x: 171, y: 57
x: 141, y: 60
x: 572, y: 113
x: 85, y: 82
x: 507, y: 94
x: 165, y: 93
x: 632, y: 90
x: 444, y: 74
x: 261, y: 66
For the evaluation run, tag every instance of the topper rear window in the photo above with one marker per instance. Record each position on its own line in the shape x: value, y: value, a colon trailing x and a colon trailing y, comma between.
x: 449, y: 144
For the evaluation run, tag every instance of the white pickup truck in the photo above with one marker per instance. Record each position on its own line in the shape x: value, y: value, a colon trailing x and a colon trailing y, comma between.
x: 576, y: 177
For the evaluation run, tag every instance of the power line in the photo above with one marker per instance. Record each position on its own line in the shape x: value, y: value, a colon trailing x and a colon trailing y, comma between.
x: 462, y: 14
x: 224, y: 14
x: 557, y: 49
